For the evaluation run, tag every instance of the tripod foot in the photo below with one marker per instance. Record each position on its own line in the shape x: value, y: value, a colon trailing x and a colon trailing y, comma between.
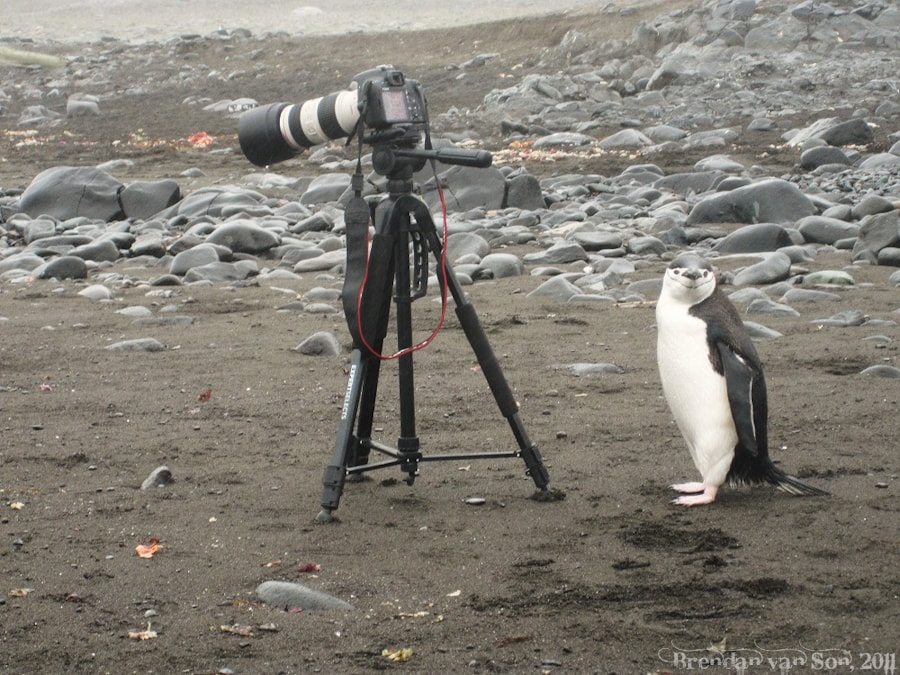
x: 325, y: 516
x: 548, y: 495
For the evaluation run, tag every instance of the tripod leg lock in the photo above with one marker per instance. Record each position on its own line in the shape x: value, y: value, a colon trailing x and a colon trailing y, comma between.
x: 534, y: 467
x: 333, y: 486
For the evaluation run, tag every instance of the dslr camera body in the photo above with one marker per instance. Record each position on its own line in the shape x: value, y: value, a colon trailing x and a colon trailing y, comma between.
x: 381, y: 98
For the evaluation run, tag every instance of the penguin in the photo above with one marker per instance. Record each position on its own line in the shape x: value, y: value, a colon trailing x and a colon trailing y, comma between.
x: 713, y: 381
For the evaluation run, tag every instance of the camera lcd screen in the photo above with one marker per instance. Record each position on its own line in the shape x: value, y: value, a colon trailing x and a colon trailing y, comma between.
x: 395, y: 109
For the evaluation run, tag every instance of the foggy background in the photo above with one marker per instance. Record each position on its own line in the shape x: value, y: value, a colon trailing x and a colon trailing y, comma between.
x: 155, y: 20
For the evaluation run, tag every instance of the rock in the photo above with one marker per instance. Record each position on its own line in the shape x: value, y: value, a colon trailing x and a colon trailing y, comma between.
x: 461, y: 244
x: 560, y: 252
x: 875, y: 233
x: 557, y: 287
x: 96, y: 292
x: 322, y: 343
x: 221, y: 271
x: 766, y: 306
x: 588, y: 369
x: 144, y: 199
x: 137, y: 345
x: 818, y: 156
x: 197, y: 256
x: 891, y: 372
x: 244, y: 236
x: 827, y: 278
x: 774, y: 267
x: 771, y: 200
x: 501, y: 265
x: 289, y: 596
x: 760, y: 238
x: 161, y: 476
x: 823, y: 230
x: 63, y: 267
x: 69, y: 192
x: 851, y: 317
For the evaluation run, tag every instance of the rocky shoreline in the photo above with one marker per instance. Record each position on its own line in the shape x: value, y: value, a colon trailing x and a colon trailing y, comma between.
x: 669, y: 88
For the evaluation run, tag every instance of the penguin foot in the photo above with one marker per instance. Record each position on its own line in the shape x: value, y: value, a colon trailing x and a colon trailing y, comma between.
x: 691, y: 488
x: 706, y: 495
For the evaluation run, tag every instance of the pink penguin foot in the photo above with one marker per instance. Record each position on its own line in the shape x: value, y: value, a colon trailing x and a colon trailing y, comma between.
x: 700, y: 493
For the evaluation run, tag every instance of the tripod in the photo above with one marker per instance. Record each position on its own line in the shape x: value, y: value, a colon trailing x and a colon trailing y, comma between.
x: 403, y: 224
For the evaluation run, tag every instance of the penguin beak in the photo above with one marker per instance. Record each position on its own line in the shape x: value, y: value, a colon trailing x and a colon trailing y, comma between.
x: 693, y: 274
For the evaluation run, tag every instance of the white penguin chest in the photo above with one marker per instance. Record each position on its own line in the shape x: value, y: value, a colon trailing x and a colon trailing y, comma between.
x: 696, y: 394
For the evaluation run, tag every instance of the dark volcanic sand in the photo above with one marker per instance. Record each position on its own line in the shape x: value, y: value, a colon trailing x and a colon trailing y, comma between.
x: 611, y: 579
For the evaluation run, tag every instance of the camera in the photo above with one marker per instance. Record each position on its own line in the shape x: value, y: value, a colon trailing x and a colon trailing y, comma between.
x: 380, y: 98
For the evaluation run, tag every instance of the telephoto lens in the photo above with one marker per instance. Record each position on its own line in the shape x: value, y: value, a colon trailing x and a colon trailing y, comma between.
x: 273, y: 133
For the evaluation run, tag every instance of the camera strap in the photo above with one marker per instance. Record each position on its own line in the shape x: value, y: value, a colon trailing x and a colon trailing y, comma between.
x: 356, y: 220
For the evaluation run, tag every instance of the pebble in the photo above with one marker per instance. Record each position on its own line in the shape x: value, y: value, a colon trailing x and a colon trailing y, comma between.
x: 287, y: 596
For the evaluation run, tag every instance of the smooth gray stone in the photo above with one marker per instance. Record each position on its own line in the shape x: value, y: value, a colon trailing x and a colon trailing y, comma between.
x: 774, y: 267
x: 210, y: 202
x: 102, y: 250
x: 587, y: 369
x: 823, y: 230
x: 244, y: 236
x: 645, y: 245
x: 161, y: 476
x: 288, y: 596
x: 889, y: 256
x: 137, y: 345
x: 850, y: 317
x: 772, y: 308
x: 63, y: 267
x: 625, y: 139
x: 882, y: 371
x: 462, y: 244
x: 182, y: 263
x: 879, y: 160
x: 39, y: 228
x: 645, y: 287
x: 148, y: 243
x: 221, y: 271
x: 771, y: 200
x: 322, y: 343
x: 827, y: 278
x: 556, y: 287
x: 813, y: 158
x: 561, y: 252
x: 877, y: 232
x: 164, y: 321
x: 852, y: 132
x: 524, y: 192
x: 757, y: 330
x: 693, y: 182
x: 320, y: 263
x: 143, y: 199
x: 871, y: 204
x: 807, y: 295
x: 25, y: 260
x: 501, y: 265
x: 67, y: 192
x: 326, y: 188
x: 758, y: 238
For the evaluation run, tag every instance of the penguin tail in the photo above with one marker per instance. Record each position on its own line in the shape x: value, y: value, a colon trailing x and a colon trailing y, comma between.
x: 791, y: 484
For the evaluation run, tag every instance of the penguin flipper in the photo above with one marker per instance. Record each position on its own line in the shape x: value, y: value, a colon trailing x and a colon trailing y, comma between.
x: 749, y: 409
x: 747, y: 398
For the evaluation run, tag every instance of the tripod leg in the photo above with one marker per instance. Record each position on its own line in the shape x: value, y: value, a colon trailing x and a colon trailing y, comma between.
x: 503, y: 395
x: 507, y: 403
x: 336, y: 472
x: 408, y: 442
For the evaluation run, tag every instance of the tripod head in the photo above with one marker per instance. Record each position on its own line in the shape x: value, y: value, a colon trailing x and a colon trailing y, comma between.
x: 395, y: 155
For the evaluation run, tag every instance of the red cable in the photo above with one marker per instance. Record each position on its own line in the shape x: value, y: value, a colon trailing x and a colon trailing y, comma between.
x: 443, y: 269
